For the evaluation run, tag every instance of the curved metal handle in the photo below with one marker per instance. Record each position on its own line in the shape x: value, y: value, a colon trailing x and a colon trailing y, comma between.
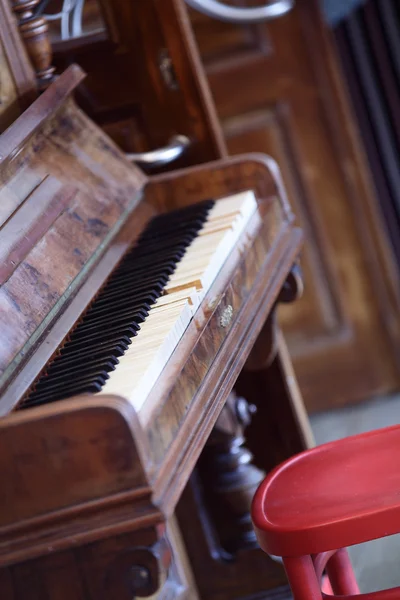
x: 242, y: 16
x: 163, y: 156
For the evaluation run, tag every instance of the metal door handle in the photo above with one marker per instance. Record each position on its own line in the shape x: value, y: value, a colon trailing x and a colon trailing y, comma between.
x: 163, y: 156
x: 242, y: 16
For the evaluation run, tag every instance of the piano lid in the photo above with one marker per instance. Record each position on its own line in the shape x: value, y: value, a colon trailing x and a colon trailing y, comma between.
x: 65, y: 191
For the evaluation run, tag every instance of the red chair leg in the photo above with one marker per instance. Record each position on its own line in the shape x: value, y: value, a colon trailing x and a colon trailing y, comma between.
x: 302, y: 578
x: 326, y: 587
x: 341, y: 574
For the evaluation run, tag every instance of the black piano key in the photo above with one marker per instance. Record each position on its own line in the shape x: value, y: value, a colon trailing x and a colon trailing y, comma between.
x: 147, y: 276
x: 116, y: 348
x: 69, y: 385
x: 174, y: 253
x: 153, y: 270
x: 148, y: 297
x: 143, y: 278
x: 113, y: 348
x: 194, y: 210
x: 39, y: 400
x: 163, y: 245
x: 161, y: 234
x: 108, y: 321
x: 66, y: 377
x: 124, y: 302
x: 118, y: 304
x: 93, y: 336
x: 97, y: 344
x: 123, y: 314
x: 133, y: 320
x: 97, y: 338
x: 141, y: 285
x: 108, y: 326
x: 112, y: 353
x: 169, y: 237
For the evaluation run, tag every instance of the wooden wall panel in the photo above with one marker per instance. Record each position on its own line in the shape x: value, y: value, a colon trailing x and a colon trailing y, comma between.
x: 277, y: 90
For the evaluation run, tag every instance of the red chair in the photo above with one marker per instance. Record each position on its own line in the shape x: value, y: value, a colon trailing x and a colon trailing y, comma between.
x: 314, y: 505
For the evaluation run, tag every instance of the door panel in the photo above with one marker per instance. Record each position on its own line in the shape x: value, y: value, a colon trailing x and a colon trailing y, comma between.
x: 277, y: 91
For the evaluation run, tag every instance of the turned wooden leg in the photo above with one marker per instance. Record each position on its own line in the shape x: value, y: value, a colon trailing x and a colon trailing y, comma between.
x: 34, y: 33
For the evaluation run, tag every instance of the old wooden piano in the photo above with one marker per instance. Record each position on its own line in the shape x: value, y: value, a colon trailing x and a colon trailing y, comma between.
x: 132, y: 310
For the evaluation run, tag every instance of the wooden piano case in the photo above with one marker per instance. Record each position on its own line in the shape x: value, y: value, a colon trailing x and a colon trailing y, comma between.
x: 90, y: 486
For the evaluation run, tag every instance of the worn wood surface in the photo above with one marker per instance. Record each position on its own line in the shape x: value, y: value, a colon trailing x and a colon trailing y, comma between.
x: 61, y: 464
x: 66, y: 189
x: 278, y: 90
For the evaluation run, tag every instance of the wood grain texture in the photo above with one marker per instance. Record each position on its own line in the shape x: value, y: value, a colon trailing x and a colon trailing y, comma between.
x: 35, y: 217
x: 288, y: 100
x: 93, y: 571
x: 66, y: 465
x: 54, y: 139
x: 103, y: 568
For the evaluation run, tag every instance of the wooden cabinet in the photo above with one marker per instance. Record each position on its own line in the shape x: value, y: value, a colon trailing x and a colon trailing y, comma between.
x: 145, y: 81
x: 277, y: 90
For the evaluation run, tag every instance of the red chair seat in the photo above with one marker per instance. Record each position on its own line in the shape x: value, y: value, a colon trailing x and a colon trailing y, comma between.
x: 336, y: 495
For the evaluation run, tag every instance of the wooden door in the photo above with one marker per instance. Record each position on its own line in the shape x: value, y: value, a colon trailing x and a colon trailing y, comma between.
x: 277, y: 90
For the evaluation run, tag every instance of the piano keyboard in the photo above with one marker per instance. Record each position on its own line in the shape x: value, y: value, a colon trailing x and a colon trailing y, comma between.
x: 127, y: 335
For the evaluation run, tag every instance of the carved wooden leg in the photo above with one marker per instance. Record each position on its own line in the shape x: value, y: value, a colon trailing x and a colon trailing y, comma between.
x: 214, y: 519
x: 34, y: 33
x: 229, y: 478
